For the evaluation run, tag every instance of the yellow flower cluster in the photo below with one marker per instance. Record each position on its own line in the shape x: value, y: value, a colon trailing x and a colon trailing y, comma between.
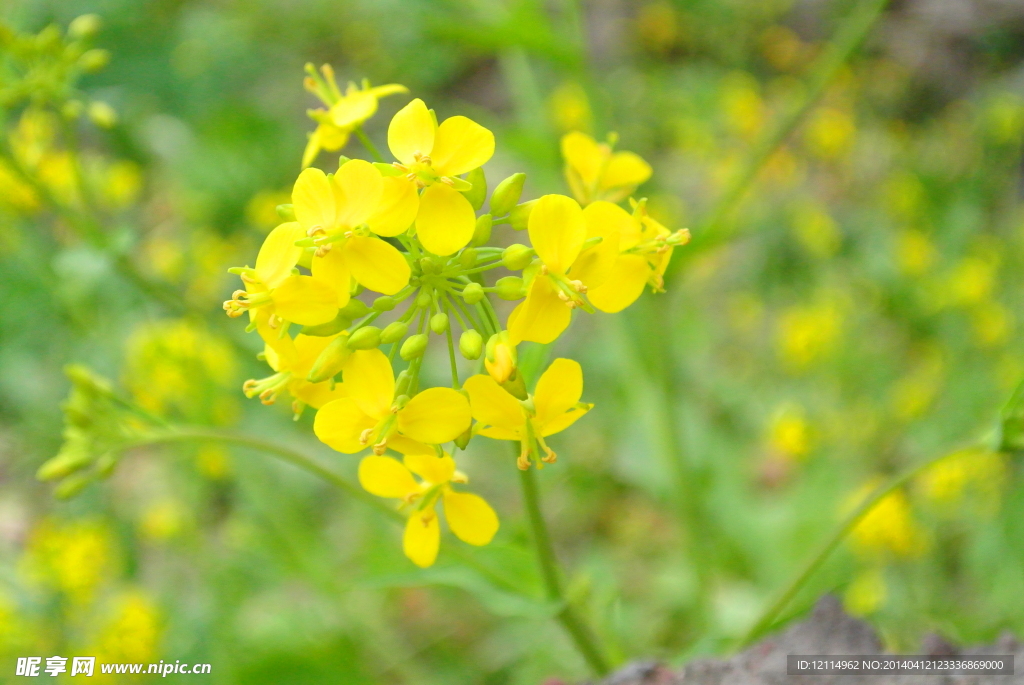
x: 414, y: 232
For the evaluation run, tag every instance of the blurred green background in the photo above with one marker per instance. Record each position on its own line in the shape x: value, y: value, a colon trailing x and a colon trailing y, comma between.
x: 866, y: 317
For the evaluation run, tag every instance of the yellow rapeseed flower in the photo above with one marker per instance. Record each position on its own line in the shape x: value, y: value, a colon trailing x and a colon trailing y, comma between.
x: 292, y: 359
x: 344, y: 214
x: 974, y: 469
x: 554, y: 406
x: 72, y: 557
x: 469, y: 516
x: 594, y: 172
x: 888, y: 528
x: 432, y: 157
x: 132, y: 632
x: 372, y: 415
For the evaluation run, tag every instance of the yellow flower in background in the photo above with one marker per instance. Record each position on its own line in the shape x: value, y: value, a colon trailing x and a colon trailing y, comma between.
x: 888, y: 528
x: 261, y: 210
x: 915, y: 252
x: 345, y: 113
x: 15, y: 193
x: 554, y: 406
x: 816, y: 230
x: 594, y: 172
x: 972, y: 281
x: 866, y: 594
x: 975, y: 469
x: 742, y: 105
x: 292, y: 360
x: 163, y: 519
x: 274, y: 295
x: 72, y: 557
x: 991, y: 324
x: 432, y: 157
x: 570, y: 107
x: 469, y: 516
x: 913, y: 394
x: 372, y: 416
x: 344, y: 214
x: 131, y: 632
x: 830, y: 132
x: 789, y: 433
x: 808, y: 333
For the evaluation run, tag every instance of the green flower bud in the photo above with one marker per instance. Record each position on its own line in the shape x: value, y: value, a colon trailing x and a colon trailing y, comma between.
x: 471, y: 344
x: 384, y: 303
x: 506, y: 195
x: 286, y: 212
x: 428, y: 266
x: 394, y: 332
x: 355, y: 309
x: 482, y: 232
x: 473, y: 293
x: 467, y: 260
x: 414, y: 346
x: 517, y: 257
x: 478, y: 193
x: 463, y: 440
x: 102, y: 114
x: 74, y: 456
x: 423, y: 299
x: 365, y: 338
x: 336, y: 325
x: 509, y: 288
x: 94, y: 60
x: 72, y: 485
x: 72, y: 109
x: 439, y: 323
x: 84, y: 26
x: 330, y: 361
x: 519, y: 217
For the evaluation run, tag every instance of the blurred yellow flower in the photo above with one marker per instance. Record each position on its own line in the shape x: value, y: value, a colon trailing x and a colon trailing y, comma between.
x: 975, y: 469
x: 371, y: 415
x: 971, y: 281
x: 121, y: 183
x: 866, y: 594
x: 554, y: 406
x: 744, y: 110
x: 261, y: 210
x: 915, y: 252
x: 789, y: 433
x: 72, y: 557
x: 816, y: 230
x: 163, y: 519
x: 658, y: 27
x: 782, y: 47
x: 913, y: 394
x: 991, y: 323
x: 131, y: 632
x: 594, y: 172
x: 806, y: 334
x: 570, y: 108
x: 433, y: 157
x: 469, y: 516
x: 905, y: 196
x: 888, y: 528
x: 830, y: 132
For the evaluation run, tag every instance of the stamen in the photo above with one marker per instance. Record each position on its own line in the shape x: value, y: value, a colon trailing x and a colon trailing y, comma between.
x: 381, y: 447
x: 364, y: 437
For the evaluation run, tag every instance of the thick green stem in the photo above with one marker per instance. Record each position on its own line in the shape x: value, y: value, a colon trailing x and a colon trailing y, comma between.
x: 582, y: 636
x: 827, y: 547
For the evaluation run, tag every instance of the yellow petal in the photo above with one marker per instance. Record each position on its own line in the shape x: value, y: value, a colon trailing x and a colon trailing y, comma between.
x: 307, y: 349
x: 623, y: 286
x: 339, y: 424
x: 564, y: 421
x: 333, y: 270
x: 411, y: 132
x: 422, y: 538
x: 470, y: 517
x: 461, y: 145
x: 445, y: 221
x: 278, y: 254
x: 541, y: 317
x: 435, y: 415
x: 313, y: 200
x: 388, y: 89
x: 386, y: 477
x: 354, y: 109
x: 404, y: 445
x: 625, y: 169
x: 558, y: 390
x: 359, y: 190
x: 305, y: 301
x: 376, y: 264
x: 608, y: 222
x: 493, y: 406
x: 397, y: 209
x: 281, y: 347
x: 431, y: 468
x: 557, y: 231
x: 500, y: 433
x: 584, y: 155
x: 370, y: 382
x: 317, y: 395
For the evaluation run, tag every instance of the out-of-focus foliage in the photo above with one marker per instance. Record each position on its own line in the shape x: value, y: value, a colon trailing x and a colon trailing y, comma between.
x: 867, y: 317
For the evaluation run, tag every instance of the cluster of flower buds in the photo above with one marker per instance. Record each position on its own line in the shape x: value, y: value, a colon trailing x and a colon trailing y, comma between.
x: 415, y: 232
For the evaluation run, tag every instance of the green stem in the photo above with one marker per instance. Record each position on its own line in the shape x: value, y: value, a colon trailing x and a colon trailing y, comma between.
x: 855, y: 28
x: 828, y: 546
x: 368, y: 144
x: 582, y: 636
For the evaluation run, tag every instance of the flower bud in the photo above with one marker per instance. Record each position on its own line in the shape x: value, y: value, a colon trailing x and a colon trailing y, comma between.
x: 384, y: 303
x: 423, y: 298
x: 94, y: 60
x: 471, y: 344
x: 394, y: 332
x: 467, y: 260
x: 330, y: 361
x: 463, y: 440
x: 72, y: 485
x: 473, y: 293
x: 516, y: 257
x: 414, y: 346
x: 482, y: 232
x: 478, y: 193
x: 85, y: 26
x: 429, y: 266
x: 506, y: 195
x: 74, y: 456
x: 102, y: 114
x: 355, y: 309
x: 439, y: 323
x: 365, y: 338
x: 501, y: 358
x: 519, y: 217
x: 286, y: 212
x: 509, y: 288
